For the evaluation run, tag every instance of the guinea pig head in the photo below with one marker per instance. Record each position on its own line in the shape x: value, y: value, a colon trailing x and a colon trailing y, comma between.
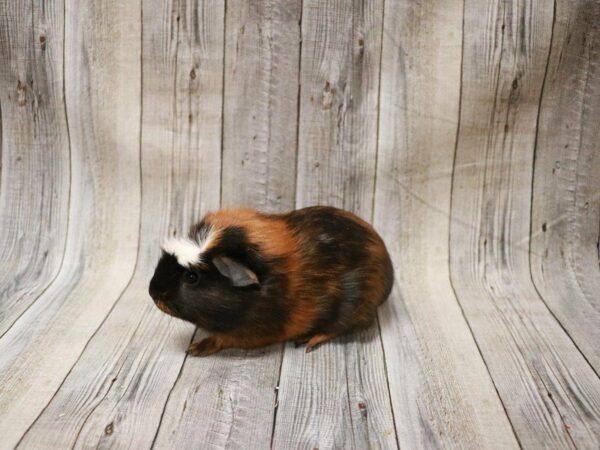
x: 199, y: 280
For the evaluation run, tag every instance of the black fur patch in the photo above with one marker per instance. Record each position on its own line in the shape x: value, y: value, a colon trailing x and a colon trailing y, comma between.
x: 166, y: 276
x: 234, y: 243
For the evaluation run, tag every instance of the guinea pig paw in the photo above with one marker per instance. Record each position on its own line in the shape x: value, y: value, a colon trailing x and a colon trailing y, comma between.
x: 317, y: 340
x: 205, y: 347
x: 300, y: 341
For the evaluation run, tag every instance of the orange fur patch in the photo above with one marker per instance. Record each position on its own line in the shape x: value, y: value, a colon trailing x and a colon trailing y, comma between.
x: 275, y: 240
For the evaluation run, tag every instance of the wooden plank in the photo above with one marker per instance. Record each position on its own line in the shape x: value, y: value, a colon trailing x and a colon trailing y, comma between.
x: 551, y: 394
x: 337, y: 396
x: 440, y: 389
x: 566, y: 198
x: 34, y: 147
x: 261, y: 104
x: 234, y: 391
x: 223, y: 401
x: 115, y: 394
x: 341, y: 47
x: 101, y: 64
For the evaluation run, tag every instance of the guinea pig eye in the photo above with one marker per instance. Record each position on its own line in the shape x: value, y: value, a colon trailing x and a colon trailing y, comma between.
x: 190, y: 277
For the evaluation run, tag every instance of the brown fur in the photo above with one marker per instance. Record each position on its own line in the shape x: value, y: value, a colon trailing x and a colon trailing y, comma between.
x: 276, y: 240
x: 327, y: 291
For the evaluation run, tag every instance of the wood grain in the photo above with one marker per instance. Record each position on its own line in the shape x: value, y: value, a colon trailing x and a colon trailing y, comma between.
x: 34, y: 151
x: 261, y: 104
x: 120, y: 402
x: 341, y: 405
x: 234, y: 391
x: 223, y: 401
x: 341, y: 50
x: 42, y: 346
x: 466, y: 131
x: 566, y: 196
x: 346, y: 404
x: 551, y: 394
x: 440, y: 389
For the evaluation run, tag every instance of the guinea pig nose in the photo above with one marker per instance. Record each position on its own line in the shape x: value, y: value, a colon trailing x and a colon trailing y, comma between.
x: 155, y: 291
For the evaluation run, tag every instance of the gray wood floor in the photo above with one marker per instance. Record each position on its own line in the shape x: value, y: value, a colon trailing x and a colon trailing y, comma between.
x: 466, y: 131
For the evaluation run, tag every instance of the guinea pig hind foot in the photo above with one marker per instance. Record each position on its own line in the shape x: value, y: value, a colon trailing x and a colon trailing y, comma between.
x: 318, y: 339
x: 302, y: 340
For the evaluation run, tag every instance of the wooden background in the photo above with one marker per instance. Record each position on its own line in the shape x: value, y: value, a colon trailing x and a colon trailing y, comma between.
x: 467, y: 131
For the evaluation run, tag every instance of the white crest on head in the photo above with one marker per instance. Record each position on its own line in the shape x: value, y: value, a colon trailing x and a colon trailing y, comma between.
x: 187, y: 250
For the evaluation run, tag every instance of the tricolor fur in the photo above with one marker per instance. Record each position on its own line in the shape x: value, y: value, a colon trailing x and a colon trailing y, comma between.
x: 310, y: 274
x: 189, y: 250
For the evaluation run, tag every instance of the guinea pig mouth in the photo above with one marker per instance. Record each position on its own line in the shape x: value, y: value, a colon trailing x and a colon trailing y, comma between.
x: 163, y: 307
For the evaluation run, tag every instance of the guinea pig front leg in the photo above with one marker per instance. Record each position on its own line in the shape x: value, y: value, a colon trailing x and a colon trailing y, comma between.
x: 205, y: 347
x: 218, y: 342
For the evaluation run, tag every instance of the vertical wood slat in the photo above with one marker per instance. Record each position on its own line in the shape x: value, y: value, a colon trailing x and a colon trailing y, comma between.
x: 121, y: 403
x: 551, y: 394
x: 234, y: 391
x: 337, y: 396
x: 440, y: 389
x: 341, y: 48
x: 34, y: 152
x: 261, y: 104
x: 566, y: 197
x: 42, y: 346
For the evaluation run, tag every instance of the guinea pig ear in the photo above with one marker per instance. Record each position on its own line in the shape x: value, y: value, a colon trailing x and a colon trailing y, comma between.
x: 238, y: 274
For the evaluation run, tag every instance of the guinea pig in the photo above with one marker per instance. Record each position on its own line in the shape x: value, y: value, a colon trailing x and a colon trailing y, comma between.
x: 254, y: 279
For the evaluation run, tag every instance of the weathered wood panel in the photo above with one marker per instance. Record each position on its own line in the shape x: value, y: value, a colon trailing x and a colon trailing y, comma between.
x: 343, y: 404
x: 120, y: 402
x: 339, y: 77
x: 440, y: 389
x: 566, y: 199
x: 506, y: 358
x: 235, y: 391
x: 34, y: 153
x: 42, y: 346
x: 261, y: 104
x: 551, y: 394
x: 223, y: 401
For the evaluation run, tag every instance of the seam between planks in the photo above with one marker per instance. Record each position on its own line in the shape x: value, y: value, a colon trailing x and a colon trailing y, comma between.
x: 348, y: 399
x: 298, y: 98
x: 378, y: 115
x: 453, y: 174
x: 387, y: 381
x: 1, y: 140
x: 164, y: 408
x: 277, y: 395
x: 223, y: 101
x: 93, y: 410
x: 373, y: 203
